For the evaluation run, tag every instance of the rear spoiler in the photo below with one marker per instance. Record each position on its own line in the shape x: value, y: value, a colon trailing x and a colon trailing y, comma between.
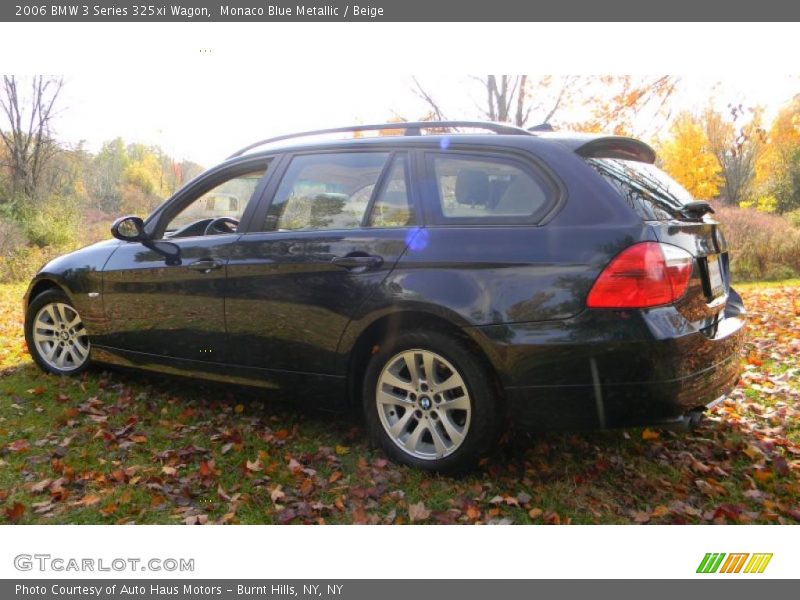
x: 617, y: 147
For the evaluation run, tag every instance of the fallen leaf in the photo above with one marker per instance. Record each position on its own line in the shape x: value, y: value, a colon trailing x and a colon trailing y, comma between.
x: 660, y: 511
x: 14, y: 513
x: 254, y: 466
x: 418, y: 512
x: 196, y: 520
x: 763, y: 475
x: 473, y: 512
x: 535, y: 513
x: 649, y: 434
x: 705, y: 487
x: 552, y: 518
x: 38, y: 488
x: 753, y: 452
x: 18, y: 446
x: 641, y: 517
x: 89, y: 500
x: 277, y: 493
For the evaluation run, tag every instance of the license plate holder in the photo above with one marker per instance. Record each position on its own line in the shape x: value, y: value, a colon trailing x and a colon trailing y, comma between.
x: 715, y: 282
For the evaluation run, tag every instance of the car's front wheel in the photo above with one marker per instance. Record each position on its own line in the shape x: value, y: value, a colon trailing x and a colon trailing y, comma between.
x: 56, y: 336
x: 429, y: 402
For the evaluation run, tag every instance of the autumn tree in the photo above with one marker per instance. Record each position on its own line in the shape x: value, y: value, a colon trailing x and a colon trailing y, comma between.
x: 737, y: 143
x: 27, y: 131
x: 686, y: 155
x: 607, y: 103
x: 105, y: 181
x: 626, y: 105
x: 135, y: 177
x: 778, y: 169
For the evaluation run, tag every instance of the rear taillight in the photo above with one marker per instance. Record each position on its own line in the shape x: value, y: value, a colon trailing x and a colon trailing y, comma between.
x: 643, y: 275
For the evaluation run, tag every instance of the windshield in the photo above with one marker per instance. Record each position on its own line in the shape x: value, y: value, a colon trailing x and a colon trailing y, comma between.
x: 653, y: 194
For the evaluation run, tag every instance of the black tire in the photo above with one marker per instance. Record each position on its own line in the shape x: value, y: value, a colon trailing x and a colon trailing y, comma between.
x: 51, y: 296
x: 485, y: 418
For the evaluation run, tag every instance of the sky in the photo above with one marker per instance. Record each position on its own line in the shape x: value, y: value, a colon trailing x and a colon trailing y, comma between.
x: 206, y: 119
x: 203, y: 90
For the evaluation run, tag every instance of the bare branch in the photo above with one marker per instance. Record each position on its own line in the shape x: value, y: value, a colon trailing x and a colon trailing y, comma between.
x: 420, y: 91
x: 30, y: 145
x: 559, y: 99
x: 520, y: 119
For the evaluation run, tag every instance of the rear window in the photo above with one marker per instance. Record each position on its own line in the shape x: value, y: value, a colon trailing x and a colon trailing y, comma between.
x: 653, y: 194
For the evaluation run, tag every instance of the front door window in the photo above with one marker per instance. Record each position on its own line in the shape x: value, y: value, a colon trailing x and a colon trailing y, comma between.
x: 216, y: 211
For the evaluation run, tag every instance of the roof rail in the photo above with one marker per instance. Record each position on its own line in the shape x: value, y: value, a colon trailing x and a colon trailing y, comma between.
x: 541, y: 127
x: 410, y: 127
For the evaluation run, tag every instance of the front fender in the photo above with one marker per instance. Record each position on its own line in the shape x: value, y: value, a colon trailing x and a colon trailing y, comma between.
x: 79, y: 275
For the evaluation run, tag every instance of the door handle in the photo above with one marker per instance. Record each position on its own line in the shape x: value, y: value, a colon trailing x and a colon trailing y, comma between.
x: 205, y: 265
x: 357, y: 261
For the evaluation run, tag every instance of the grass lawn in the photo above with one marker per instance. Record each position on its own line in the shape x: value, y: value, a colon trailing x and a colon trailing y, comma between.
x: 120, y: 447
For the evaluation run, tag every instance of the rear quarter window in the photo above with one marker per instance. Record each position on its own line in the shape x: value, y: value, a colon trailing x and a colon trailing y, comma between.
x: 476, y: 189
x: 653, y: 194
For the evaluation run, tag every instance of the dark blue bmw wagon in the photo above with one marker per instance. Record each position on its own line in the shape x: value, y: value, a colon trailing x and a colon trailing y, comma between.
x: 448, y: 284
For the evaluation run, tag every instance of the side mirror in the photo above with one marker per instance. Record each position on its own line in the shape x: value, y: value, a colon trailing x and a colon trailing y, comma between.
x: 128, y: 229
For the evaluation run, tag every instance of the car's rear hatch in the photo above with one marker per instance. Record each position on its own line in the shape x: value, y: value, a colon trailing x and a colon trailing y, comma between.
x: 679, y: 220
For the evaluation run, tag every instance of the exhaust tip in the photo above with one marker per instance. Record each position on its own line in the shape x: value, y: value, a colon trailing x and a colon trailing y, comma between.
x: 688, y: 422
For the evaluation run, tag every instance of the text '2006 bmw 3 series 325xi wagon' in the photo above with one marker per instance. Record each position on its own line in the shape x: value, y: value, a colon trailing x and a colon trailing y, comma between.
x: 448, y: 284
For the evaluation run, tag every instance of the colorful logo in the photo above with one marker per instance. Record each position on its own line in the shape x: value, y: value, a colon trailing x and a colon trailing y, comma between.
x: 713, y: 563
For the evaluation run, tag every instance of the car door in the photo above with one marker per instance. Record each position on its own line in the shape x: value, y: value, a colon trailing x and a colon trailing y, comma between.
x: 336, y: 225
x: 175, y: 308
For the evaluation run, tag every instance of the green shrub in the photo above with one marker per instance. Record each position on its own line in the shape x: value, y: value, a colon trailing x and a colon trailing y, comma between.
x: 793, y: 217
x: 34, y: 234
x: 24, y: 262
x: 11, y: 236
x: 51, y: 223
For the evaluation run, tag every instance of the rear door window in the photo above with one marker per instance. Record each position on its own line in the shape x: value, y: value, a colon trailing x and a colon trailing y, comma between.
x: 325, y: 191
x: 488, y: 190
x: 653, y: 194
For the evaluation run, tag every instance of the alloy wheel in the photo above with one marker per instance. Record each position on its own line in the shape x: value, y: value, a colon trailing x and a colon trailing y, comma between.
x: 423, y: 404
x: 60, y: 337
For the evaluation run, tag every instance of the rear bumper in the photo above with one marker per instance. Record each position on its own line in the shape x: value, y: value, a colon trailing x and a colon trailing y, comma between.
x: 614, y: 369
x: 619, y: 405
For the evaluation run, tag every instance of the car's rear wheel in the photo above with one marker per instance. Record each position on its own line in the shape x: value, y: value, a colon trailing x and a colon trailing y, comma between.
x: 56, y: 336
x: 429, y: 402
